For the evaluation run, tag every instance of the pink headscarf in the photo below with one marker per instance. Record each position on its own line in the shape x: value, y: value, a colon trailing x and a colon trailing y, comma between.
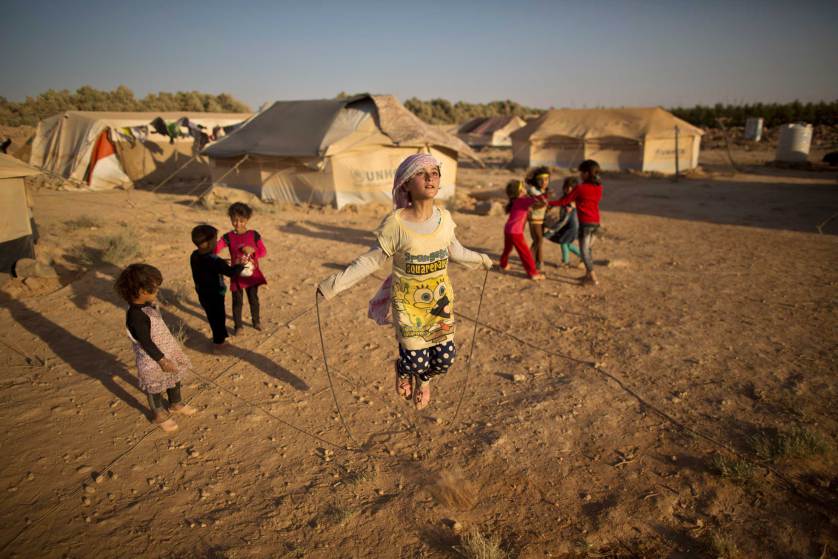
x: 406, y: 171
x: 379, y: 306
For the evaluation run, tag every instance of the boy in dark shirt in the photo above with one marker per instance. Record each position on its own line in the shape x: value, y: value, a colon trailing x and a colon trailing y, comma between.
x: 207, y: 272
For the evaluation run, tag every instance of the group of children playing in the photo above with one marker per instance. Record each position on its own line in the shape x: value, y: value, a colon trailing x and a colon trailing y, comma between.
x: 418, y: 238
x: 529, y: 201
x: 161, y: 363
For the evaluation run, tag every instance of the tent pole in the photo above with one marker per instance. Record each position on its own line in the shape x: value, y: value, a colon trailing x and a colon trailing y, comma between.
x: 677, y: 162
x: 212, y: 183
x: 178, y: 170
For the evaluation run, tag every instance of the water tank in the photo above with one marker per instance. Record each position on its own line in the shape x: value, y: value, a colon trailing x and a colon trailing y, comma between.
x: 795, y: 140
x: 753, y: 129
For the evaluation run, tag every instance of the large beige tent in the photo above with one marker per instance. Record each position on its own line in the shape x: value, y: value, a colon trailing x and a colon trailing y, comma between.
x: 330, y: 151
x: 619, y: 139
x: 490, y: 131
x: 16, y: 223
x: 106, y: 150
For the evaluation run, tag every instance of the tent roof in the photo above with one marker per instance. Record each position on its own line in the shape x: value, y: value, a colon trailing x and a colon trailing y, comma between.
x: 635, y: 124
x: 307, y: 128
x: 11, y: 167
x: 118, y: 119
x: 487, y: 124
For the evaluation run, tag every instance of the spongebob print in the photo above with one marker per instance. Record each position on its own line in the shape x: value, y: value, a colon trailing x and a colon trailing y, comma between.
x: 424, y: 307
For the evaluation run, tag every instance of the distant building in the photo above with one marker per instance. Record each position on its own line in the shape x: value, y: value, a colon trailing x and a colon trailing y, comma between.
x: 490, y: 131
x: 618, y: 139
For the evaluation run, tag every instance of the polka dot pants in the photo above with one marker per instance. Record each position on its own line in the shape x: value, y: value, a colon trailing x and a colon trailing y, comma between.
x: 425, y: 363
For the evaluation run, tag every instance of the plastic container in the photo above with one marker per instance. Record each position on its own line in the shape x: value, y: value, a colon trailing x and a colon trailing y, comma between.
x: 753, y: 129
x: 794, y: 144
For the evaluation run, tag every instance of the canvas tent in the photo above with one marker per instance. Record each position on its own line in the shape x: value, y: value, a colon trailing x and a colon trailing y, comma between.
x: 93, y: 148
x: 490, y: 131
x: 16, y: 223
x: 330, y: 151
x: 619, y: 139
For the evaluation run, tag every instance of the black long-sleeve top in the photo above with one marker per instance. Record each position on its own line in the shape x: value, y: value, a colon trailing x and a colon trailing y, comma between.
x: 139, y: 325
x: 207, y: 269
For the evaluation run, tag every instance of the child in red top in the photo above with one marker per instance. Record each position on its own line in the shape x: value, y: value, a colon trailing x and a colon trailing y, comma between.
x: 513, y: 232
x: 587, y: 196
x: 246, y: 247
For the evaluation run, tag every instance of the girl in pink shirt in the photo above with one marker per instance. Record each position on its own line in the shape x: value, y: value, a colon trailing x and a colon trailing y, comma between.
x: 246, y: 247
x: 513, y: 232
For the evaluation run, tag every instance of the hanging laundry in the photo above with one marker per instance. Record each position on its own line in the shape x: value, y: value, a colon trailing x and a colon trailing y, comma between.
x: 125, y: 134
x: 159, y: 126
x: 217, y: 132
x: 174, y: 131
x: 140, y: 133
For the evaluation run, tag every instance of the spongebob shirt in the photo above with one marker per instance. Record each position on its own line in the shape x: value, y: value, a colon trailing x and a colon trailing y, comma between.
x: 422, y: 296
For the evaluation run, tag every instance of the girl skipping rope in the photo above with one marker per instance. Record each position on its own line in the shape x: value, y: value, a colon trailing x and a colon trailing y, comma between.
x: 420, y: 239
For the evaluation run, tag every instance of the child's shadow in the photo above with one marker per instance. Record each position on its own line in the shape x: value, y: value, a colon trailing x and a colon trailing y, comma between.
x: 94, y: 285
x: 81, y: 355
x: 199, y: 342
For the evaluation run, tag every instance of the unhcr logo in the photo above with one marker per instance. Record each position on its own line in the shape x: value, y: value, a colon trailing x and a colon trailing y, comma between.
x: 669, y: 152
x: 360, y: 177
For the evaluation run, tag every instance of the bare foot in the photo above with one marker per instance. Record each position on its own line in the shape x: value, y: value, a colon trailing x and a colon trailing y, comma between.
x: 404, y: 386
x: 183, y: 409
x: 220, y: 349
x: 538, y: 277
x: 167, y: 424
x: 422, y: 395
x: 504, y: 268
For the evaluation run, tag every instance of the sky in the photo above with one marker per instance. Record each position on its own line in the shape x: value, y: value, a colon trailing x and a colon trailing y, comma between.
x: 541, y: 54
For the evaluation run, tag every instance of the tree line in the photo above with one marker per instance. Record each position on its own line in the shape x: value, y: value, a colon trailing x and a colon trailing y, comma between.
x: 442, y: 111
x: 121, y: 99
x: 433, y: 111
x: 774, y: 114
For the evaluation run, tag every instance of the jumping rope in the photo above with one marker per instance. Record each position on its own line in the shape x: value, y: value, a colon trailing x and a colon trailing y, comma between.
x: 328, y: 373
x: 465, y: 381
x: 471, y: 351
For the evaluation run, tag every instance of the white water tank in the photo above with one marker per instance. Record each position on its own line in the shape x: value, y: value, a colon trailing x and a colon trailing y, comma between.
x: 753, y: 129
x: 794, y: 144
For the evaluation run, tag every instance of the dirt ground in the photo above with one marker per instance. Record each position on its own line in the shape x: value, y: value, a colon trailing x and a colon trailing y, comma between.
x: 683, y: 408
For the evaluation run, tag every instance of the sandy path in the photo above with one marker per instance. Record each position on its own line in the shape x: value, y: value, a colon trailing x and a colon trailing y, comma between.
x: 712, y: 308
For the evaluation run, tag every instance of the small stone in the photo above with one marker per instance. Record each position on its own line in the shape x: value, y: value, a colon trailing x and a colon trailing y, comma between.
x: 84, y: 469
x: 193, y: 453
x: 30, y: 476
x: 113, y: 475
x: 457, y: 528
x: 518, y: 377
x: 438, y: 421
x: 89, y: 489
x: 88, y: 519
x: 86, y: 501
x: 99, y: 478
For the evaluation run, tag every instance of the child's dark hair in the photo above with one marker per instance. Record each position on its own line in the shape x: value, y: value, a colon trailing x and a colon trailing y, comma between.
x: 533, y: 174
x: 513, y: 189
x: 202, y: 234
x: 570, y: 182
x: 135, y: 277
x: 239, y: 209
x: 592, y: 168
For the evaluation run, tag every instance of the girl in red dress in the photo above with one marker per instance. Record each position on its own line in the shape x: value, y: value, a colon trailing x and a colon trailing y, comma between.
x: 246, y: 247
